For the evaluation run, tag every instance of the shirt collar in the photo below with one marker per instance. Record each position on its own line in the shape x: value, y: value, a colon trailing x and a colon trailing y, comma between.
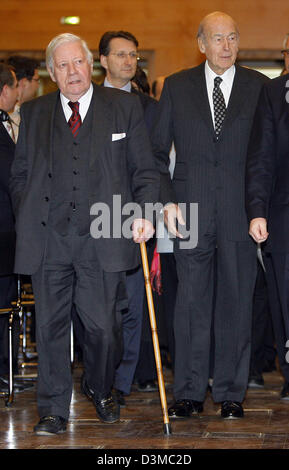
x: 227, y: 77
x: 83, y: 99
x: 84, y: 102
x: 126, y: 87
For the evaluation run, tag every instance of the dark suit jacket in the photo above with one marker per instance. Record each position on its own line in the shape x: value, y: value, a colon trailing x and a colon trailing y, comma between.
x: 149, y: 106
x: 121, y: 167
x: 267, y: 177
x: 7, y: 228
x: 206, y: 169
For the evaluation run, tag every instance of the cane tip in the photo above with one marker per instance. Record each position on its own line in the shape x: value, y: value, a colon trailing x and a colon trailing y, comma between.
x: 167, y: 429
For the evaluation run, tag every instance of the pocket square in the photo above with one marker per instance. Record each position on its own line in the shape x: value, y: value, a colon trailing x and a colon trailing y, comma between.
x: 118, y: 136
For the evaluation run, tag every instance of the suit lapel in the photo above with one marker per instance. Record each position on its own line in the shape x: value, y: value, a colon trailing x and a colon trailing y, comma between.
x: 101, y: 123
x: 45, y: 130
x: 200, y: 96
x: 237, y: 98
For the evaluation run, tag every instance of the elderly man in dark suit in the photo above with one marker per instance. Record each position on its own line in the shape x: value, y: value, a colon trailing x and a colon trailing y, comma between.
x: 207, y: 111
x: 267, y: 199
x: 80, y: 146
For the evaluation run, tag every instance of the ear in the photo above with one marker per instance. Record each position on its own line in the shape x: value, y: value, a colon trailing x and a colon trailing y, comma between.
x: 22, y: 83
x: 51, y: 74
x: 201, y: 45
x: 4, y: 90
x: 103, y: 61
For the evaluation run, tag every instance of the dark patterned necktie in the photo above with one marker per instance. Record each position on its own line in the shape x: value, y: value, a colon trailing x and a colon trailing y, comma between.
x: 219, y: 106
x: 75, y: 119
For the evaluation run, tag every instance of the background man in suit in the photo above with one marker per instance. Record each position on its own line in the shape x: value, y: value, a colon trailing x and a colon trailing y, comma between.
x: 267, y: 203
x: 207, y: 111
x: 8, y: 286
x: 119, y: 55
x: 64, y: 163
x: 26, y: 70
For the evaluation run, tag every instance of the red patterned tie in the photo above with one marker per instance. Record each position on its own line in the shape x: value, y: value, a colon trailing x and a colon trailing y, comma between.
x: 75, y: 119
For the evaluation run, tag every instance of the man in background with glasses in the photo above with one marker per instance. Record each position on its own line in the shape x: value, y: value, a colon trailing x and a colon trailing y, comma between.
x: 119, y: 57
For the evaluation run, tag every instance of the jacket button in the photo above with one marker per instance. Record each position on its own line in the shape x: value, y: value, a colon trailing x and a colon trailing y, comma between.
x: 46, y: 198
x: 43, y: 223
x: 49, y: 175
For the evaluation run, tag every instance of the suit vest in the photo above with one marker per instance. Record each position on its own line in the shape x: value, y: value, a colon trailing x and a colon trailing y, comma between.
x: 69, y: 208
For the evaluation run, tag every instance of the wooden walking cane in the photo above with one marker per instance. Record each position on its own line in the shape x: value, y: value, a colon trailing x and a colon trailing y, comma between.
x: 167, y: 426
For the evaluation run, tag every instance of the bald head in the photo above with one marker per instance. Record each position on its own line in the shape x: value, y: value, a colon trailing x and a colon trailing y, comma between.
x: 218, y: 39
x: 212, y: 18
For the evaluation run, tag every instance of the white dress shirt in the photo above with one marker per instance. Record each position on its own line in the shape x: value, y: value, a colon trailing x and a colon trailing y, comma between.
x: 84, y: 103
x: 226, y: 84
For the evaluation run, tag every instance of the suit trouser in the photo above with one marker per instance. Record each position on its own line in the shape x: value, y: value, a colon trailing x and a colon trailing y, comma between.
x: 262, y: 327
x: 169, y: 283
x: 131, y: 327
x: 277, y: 276
x: 70, y: 274
x: 232, y: 310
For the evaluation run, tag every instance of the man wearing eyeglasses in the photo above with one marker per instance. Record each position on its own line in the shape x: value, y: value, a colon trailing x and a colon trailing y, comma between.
x: 119, y: 57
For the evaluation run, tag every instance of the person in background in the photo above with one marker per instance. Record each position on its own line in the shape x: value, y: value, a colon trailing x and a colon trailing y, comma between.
x: 27, y: 74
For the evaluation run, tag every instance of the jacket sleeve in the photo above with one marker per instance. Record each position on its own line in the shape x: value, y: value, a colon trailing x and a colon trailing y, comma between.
x: 261, y: 159
x: 162, y: 139
x: 144, y: 176
x: 19, y: 169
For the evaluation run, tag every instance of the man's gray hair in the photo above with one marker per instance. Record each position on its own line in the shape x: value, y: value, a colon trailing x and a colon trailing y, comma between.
x: 61, y: 39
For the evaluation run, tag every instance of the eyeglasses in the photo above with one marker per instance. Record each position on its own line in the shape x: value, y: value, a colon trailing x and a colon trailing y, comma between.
x: 285, y: 51
x: 122, y: 55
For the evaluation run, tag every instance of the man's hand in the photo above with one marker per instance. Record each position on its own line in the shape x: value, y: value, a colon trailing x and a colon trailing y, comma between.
x: 142, y: 230
x: 172, y: 213
x: 258, y: 229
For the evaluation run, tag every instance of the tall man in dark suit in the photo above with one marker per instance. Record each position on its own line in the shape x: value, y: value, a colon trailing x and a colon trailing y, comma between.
x: 80, y: 146
x: 8, y: 286
x: 267, y: 201
x: 207, y: 111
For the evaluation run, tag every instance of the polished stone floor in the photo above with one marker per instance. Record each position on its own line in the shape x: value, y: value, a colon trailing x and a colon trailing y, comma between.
x: 265, y: 425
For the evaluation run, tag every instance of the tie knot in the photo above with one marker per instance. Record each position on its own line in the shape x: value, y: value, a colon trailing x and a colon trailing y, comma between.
x: 74, y: 106
x: 217, y: 81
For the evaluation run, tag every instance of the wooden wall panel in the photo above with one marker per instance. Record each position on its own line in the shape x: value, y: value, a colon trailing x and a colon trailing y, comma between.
x: 167, y: 27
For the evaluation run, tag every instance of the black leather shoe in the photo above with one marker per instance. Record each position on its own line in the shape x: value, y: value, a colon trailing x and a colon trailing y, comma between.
x: 232, y: 410
x: 148, y: 386
x: 85, y: 388
x: 119, y: 396
x: 256, y: 381
x: 185, y: 408
x: 50, y: 425
x: 107, y: 409
x: 284, y: 395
